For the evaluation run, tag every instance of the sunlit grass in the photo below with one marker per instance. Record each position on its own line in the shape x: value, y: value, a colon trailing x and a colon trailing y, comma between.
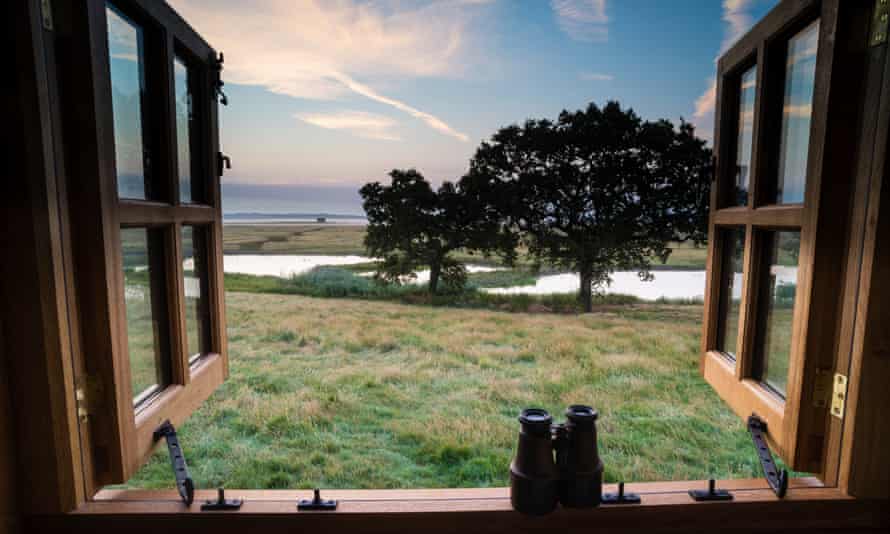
x: 343, y: 393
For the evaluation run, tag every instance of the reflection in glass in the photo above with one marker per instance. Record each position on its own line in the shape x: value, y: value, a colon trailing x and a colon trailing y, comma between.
x: 731, y: 289
x: 141, y: 296
x: 747, y: 94
x: 778, y: 291
x: 183, y: 128
x: 194, y: 270
x: 800, y: 75
x: 126, y: 66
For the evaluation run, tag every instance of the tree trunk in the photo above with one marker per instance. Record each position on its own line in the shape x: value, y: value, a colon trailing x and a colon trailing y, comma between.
x: 585, y: 297
x: 435, y: 270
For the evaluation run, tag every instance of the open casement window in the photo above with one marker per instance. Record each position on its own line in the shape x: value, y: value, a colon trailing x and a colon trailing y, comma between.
x: 145, y: 222
x: 785, y: 135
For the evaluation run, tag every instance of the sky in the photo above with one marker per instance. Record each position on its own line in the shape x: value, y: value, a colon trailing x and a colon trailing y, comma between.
x: 326, y: 95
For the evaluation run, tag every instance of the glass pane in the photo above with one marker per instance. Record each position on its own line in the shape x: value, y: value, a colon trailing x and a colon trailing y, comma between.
x: 800, y: 75
x: 126, y: 64
x: 744, y: 142
x: 778, y: 295
x: 183, y: 129
x: 195, y: 283
x: 731, y: 289
x: 143, y: 289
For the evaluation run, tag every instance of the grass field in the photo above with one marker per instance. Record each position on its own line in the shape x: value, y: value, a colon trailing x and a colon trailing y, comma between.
x: 343, y: 393
x: 331, y: 239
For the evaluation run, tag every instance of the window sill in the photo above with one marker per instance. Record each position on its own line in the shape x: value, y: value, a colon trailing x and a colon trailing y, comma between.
x: 664, y: 505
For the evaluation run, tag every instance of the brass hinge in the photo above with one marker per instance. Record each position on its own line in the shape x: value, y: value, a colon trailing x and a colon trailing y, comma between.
x: 839, y: 396
x: 88, y: 394
x: 879, y: 23
x: 46, y: 13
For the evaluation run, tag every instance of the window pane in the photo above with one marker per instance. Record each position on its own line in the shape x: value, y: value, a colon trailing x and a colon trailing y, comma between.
x: 744, y: 142
x: 731, y: 289
x: 195, y: 282
x: 778, y: 295
x: 800, y: 74
x: 126, y: 65
x: 183, y: 128
x: 143, y: 294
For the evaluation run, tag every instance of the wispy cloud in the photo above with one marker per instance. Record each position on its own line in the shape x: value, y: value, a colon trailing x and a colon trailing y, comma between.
x: 582, y: 20
x: 738, y: 20
x: 596, y: 77
x: 318, y: 49
x: 359, y: 123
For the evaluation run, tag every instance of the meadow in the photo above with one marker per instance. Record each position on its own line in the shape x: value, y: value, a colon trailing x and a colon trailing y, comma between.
x: 346, y: 393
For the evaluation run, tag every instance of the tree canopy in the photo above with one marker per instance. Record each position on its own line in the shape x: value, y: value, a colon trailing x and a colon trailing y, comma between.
x: 410, y: 226
x: 597, y: 190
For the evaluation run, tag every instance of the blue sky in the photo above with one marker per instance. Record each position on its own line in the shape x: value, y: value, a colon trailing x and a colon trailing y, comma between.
x: 326, y: 95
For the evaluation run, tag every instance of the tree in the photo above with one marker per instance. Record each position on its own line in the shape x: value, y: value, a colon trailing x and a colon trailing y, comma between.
x: 410, y: 225
x: 598, y: 190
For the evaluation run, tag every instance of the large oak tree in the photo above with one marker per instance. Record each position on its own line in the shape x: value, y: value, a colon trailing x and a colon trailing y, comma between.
x: 597, y: 190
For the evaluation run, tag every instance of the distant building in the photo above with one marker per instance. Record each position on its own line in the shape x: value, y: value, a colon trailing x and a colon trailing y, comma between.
x: 321, y: 219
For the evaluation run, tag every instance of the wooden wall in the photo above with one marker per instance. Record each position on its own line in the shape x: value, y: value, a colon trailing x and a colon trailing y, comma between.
x: 8, y: 512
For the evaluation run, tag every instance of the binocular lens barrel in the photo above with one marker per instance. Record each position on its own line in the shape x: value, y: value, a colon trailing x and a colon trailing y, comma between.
x: 534, y: 478
x: 556, y: 462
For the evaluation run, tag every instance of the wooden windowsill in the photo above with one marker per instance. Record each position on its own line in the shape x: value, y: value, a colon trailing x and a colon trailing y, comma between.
x: 665, y: 505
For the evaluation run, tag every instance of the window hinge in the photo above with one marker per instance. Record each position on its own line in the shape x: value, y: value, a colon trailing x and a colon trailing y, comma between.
x: 877, y: 34
x: 46, y: 14
x: 839, y: 396
x: 216, y: 63
x: 87, y: 393
x: 822, y: 388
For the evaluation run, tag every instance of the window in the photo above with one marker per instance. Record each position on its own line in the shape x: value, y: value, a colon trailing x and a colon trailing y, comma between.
x: 768, y: 242
x: 154, y: 339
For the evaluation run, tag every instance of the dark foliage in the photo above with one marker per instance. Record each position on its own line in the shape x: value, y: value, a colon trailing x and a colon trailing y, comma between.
x: 411, y: 226
x: 596, y: 191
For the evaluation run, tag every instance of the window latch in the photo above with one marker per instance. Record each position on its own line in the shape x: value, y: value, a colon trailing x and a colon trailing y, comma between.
x: 317, y: 503
x: 184, y: 482
x: 216, y: 64
x: 775, y: 477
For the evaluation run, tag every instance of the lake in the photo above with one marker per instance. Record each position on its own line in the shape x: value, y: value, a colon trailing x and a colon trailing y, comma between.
x: 667, y: 284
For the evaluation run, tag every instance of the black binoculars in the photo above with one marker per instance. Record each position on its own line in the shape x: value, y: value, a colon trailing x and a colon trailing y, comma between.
x: 556, y: 463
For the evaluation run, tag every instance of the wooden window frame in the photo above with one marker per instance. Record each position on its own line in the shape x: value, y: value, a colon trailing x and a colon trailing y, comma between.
x: 119, y: 434
x: 799, y: 428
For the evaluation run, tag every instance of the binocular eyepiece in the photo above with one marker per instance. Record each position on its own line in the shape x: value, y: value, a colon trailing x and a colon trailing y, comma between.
x: 556, y: 463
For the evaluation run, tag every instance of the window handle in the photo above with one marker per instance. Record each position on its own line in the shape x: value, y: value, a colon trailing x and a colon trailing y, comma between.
x: 775, y: 477
x: 222, y: 161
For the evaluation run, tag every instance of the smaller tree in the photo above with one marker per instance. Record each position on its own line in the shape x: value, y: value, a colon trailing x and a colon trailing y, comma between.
x: 410, y: 226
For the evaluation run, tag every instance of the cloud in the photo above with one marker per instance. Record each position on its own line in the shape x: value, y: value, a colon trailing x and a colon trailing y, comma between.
x: 582, y: 20
x: 318, y: 49
x: 359, y: 123
x: 738, y: 20
x: 431, y: 120
x: 596, y: 77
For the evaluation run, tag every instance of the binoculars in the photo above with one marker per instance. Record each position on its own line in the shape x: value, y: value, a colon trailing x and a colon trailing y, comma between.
x: 556, y: 463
